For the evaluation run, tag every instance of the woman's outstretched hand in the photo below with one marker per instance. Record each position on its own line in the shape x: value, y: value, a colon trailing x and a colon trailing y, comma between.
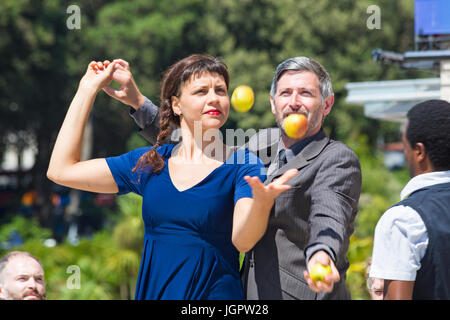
x: 251, y: 215
x: 269, y: 192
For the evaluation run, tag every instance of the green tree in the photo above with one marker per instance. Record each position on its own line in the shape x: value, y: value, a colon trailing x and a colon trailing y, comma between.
x: 32, y: 87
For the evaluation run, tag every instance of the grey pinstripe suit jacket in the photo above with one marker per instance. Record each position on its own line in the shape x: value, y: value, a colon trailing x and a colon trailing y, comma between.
x: 320, y: 208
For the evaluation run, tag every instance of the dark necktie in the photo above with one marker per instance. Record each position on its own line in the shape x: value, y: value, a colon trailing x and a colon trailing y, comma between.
x: 282, y: 158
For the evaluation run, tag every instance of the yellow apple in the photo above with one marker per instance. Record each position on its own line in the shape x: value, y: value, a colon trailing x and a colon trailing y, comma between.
x: 242, y: 98
x: 319, y: 271
x: 295, y: 125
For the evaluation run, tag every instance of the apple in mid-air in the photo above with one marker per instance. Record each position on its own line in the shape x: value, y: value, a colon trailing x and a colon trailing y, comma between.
x: 242, y: 98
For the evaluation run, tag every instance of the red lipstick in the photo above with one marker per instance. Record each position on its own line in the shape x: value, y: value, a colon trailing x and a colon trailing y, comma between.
x: 213, y: 112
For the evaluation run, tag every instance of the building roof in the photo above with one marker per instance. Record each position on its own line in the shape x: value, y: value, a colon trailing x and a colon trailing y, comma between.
x: 391, y: 100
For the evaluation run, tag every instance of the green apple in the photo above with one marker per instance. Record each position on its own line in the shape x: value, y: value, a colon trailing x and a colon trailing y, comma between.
x: 319, y: 271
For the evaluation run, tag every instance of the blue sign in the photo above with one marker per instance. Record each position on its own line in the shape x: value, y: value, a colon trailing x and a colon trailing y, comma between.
x: 431, y: 17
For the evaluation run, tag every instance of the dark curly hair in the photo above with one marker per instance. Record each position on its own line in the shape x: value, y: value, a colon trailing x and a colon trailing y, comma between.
x: 429, y: 123
x: 172, y: 82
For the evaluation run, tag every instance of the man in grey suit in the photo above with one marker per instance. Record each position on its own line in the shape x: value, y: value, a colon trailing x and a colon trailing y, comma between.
x: 310, y: 223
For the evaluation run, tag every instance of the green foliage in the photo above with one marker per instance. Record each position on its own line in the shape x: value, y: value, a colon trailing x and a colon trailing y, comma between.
x: 380, y: 187
x: 359, y: 251
x: 129, y: 232
x: 27, y: 229
x: 135, y: 141
x: 108, y: 263
x: 380, y: 190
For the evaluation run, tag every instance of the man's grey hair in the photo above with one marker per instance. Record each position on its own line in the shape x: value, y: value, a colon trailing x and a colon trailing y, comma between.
x: 304, y: 64
x: 4, y: 260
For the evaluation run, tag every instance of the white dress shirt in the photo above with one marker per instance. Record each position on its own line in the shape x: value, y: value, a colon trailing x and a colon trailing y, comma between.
x: 401, y: 237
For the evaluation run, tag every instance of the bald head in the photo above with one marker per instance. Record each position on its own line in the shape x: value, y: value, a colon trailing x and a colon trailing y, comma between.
x: 21, y: 277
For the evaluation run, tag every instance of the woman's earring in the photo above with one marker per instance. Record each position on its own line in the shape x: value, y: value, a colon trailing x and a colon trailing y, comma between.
x: 179, y: 112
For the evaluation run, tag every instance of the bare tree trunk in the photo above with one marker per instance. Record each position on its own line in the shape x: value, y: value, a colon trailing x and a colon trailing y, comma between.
x: 123, y: 291
x: 41, y: 184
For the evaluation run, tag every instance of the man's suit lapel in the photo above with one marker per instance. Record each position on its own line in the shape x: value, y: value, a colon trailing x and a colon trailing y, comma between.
x: 301, y: 160
x: 264, y: 145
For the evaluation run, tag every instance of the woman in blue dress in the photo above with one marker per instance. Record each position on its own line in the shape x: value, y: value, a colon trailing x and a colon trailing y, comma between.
x: 203, y: 202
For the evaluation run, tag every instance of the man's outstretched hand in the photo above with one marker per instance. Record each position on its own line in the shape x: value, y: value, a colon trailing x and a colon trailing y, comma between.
x: 328, y: 282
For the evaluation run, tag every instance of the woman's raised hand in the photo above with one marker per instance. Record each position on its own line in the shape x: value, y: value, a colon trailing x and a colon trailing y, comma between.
x: 97, y: 76
x: 100, y: 74
x: 128, y: 93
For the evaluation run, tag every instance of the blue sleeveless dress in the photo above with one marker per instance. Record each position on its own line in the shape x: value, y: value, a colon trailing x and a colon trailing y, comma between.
x: 188, y: 253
